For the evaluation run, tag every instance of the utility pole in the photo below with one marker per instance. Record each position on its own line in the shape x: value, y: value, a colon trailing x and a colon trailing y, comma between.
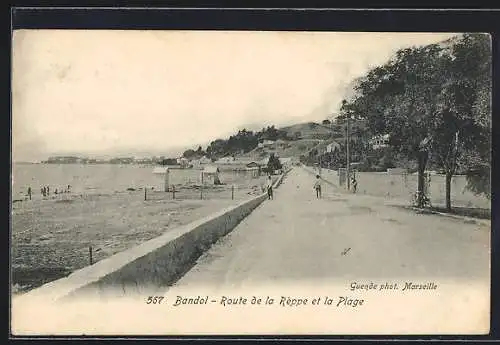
x: 347, y: 154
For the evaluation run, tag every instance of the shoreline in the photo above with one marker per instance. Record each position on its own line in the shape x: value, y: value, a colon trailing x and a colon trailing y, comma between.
x: 51, y: 238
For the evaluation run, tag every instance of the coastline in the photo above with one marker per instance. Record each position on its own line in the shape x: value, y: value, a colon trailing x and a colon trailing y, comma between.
x: 51, y: 237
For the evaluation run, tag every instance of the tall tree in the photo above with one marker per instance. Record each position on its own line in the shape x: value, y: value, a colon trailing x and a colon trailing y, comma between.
x: 273, y: 163
x: 461, y: 131
x: 399, y: 99
x: 434, y: 102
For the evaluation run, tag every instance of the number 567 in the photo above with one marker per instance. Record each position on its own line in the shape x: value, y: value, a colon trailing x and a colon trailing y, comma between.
x: 154, y: 299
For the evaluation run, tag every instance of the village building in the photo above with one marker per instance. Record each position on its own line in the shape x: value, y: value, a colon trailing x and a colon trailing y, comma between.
x: 183, y: 162
x: 198, y: 163
x: 253, y: 165
x: 205, y: 160
x: 379, y: 141
x: 225, y: 160
x: 281, y: 143
x: 210, y: 174
x: 267, y: 144
x: 286, y: 161
x: 253, y: 169
x: 332, y: 147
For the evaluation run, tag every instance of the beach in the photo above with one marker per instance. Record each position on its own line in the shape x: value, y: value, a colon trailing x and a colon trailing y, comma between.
x: 51, y: 236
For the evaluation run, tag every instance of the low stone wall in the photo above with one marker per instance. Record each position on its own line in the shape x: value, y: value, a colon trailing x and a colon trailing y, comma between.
x: 403, y: 186
x: 151, y: 265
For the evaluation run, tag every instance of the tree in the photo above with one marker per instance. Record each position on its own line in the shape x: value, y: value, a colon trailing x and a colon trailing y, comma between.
x: 461, y: 132
x: 273, y: 163
x: 473, y: 53
x: 189, y: 154
x: 399, y: 99
x: 169, y: 161
x: 434, y: 102
x: 326, y: 122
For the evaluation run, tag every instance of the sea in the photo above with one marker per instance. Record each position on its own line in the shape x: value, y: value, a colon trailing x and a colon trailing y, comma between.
x: 98, y: 178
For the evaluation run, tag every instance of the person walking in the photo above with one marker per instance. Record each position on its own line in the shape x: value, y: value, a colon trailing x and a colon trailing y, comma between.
x: 29, y: 192
x: 317, y: 187
x: 354, y: 184
x: 269, y: 188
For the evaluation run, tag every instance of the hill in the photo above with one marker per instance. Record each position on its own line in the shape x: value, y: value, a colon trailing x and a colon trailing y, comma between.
x: 294, y: 148
x: 289, y: 141
x: 308, y: 130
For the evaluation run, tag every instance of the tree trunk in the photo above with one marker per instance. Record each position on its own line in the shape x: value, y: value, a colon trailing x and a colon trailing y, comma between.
x: 422, y: 162
x: 448, y: 191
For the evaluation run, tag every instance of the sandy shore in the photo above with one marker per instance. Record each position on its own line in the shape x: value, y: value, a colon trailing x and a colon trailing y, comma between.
x: 51, y: 238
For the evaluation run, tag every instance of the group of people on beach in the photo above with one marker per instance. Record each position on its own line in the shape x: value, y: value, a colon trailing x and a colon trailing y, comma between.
x: 45, y: 191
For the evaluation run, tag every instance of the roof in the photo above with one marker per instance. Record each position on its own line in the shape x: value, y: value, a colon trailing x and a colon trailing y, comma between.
x: 210, y: 169
x: 160, y: 170
x: 334, y: 143
x: 253, y: 164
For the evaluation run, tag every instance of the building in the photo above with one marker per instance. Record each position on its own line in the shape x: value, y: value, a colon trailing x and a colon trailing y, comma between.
x: 63, y: 160
x: 379, y: 141
x: 332, y: 147
x: 253, y: 165
x: 198, y: 163
x: 205, y: 160
x: 286, y: 161
x: 210, y: 174
x: 183, y: 162
x: 282, y: 143
x: 225, y: 160
x: 267, y: 143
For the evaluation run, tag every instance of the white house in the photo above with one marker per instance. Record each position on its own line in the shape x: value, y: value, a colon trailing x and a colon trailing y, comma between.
x: 225, y: 160
x: 201, y: 161
x: 379, y: 141
x: 268, y: 143
x: 165, y: 172
x: 332, y: 147
x: 210, y: 173
x: 205, y: 160
x: 281, y: 143
x: 183, y: 162
x: 286, y: 161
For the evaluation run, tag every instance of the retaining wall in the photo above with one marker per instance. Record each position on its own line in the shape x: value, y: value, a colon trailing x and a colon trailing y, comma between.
x: 153, y: 264
x: 403, y: 186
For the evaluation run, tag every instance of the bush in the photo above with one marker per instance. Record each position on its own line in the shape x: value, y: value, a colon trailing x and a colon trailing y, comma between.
x: 479, y: 180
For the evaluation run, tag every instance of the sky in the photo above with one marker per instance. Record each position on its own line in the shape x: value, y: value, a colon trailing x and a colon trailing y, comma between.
x: 148, y: 92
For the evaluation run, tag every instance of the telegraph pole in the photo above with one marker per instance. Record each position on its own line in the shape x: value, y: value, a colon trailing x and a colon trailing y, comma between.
x: 347, y: 154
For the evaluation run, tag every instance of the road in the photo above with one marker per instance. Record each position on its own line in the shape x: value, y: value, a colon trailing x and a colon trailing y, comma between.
x: 298, y: 238
x: 298, y: 248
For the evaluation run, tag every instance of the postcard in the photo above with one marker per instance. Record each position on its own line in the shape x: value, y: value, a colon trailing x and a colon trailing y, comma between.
x: 250, y: 182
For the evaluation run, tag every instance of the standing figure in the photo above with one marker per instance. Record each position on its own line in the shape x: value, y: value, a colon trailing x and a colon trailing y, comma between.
x: 354, y: 184
x: 269, y: 188
x: 317, y: 187
x: 29, y: 192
